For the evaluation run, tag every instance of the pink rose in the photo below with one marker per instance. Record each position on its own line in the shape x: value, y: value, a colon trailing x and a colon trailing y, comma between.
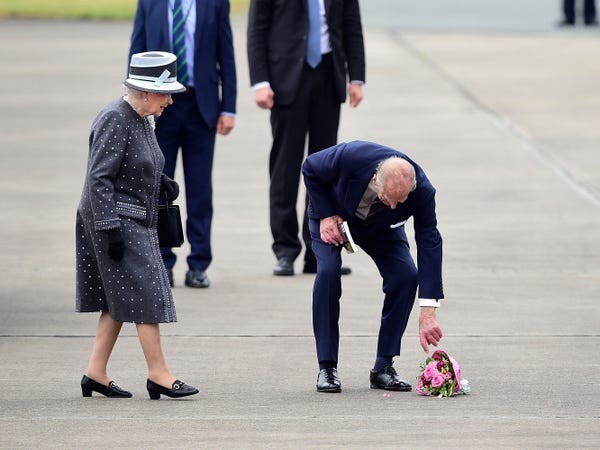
x: 431, y: 370
x: 438, y: 380
x: 438, y: 355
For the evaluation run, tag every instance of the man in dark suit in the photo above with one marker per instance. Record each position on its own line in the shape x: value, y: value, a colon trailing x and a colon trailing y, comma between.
x: 375, y: 189
x: 300, y: 53
x: 199, y: 33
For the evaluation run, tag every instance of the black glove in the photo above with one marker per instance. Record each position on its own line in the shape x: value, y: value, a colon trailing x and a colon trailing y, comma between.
x: 116, y: 244
x: 170, y: 188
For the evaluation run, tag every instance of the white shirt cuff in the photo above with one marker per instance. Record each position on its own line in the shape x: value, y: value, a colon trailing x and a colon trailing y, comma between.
x: 262, y: 84
x: 429, y: 302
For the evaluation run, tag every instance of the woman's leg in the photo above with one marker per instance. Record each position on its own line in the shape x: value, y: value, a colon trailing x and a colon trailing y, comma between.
x: 106, y: 335
x: 149, y: 334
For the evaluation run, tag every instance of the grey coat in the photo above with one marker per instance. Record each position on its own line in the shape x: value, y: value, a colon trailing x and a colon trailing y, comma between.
x: 121, y: 190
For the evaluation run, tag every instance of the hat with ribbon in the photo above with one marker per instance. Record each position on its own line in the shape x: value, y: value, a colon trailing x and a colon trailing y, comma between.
x: 154, y: 72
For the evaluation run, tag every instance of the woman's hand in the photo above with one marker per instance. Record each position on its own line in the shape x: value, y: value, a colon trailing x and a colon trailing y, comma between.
x: 169, y: 187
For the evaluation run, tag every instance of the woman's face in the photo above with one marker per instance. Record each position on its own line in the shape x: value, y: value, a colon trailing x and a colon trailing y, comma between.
x: 157, y: 103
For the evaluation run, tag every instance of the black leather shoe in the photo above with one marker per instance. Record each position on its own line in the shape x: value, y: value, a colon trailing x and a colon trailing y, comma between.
x: 566, y: 23
x: 284, y: 267
x: 388, y: 379
x: 328, y: 381
x: 197, y: 279
x: 112, y: 390
x: 178, y: 389
x: 170, y: 277
x: 310, y: 268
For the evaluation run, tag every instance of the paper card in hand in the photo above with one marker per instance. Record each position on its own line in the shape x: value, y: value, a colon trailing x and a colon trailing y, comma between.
x: 349, y: 243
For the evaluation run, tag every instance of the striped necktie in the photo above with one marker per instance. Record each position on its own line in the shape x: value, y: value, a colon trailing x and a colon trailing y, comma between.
x: 179, y: 41
x: 313, y: 47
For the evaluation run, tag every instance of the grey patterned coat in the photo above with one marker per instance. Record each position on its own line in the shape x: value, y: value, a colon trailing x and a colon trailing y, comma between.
x: 121, y: 190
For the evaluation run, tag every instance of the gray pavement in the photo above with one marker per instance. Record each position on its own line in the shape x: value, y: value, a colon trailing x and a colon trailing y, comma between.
x: 504, y: 120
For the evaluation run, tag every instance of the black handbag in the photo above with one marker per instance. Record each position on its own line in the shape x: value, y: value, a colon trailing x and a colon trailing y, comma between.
x: 169, y: 228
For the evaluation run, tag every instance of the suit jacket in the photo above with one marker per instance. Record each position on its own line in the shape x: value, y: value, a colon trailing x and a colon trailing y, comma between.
x: 214, y: 62
x: 336, y: 179
x: 277, y: 39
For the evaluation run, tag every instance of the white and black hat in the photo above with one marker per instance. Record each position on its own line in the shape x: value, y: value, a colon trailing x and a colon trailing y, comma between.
x: 154, y: 72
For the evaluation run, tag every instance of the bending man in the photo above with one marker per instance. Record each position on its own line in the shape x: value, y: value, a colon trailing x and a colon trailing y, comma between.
x: 375, y: 189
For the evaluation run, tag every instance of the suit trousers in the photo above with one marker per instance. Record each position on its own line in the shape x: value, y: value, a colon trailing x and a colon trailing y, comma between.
x: 182, y: 126
x: 315, y: 111
x: 399, y: 273
x: 589, y: 10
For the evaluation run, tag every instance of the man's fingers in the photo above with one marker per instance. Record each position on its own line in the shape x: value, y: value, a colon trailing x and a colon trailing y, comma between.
x: 436, y: 333
x: 430, y: 337
x: 424, y: 343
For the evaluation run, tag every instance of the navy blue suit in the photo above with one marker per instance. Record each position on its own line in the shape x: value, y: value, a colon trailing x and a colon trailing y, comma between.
x: 190, y: 123
x: 336, y: 179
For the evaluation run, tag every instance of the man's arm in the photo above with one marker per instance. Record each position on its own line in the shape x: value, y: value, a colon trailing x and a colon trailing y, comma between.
x: 259, y: 24
x: 138, y: 35
x: 320, y: 171
x: 227, y: 71
x: 353, y: 41
x: 429, y: 245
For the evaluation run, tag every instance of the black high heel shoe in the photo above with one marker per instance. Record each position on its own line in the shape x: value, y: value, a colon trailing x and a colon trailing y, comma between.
x: 112, y: 390
x: 179, y: 389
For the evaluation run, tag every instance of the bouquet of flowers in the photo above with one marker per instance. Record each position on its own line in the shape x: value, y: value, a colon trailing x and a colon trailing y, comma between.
x: 440, y: 376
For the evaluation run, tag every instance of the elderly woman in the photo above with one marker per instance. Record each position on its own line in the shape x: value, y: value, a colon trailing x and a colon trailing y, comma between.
x: 119, y: 268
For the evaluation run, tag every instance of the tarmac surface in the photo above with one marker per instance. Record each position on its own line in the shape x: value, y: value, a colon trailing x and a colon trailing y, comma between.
x: 504, y: 119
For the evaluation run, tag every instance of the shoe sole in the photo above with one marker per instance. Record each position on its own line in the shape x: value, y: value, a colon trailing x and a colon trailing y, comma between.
x: 329, y: 390
x: 283, y: 274
x: 398, y: 389
x: 198, y: 286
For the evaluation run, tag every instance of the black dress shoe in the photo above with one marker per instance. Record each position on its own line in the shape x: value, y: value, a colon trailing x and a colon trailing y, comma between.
x: 284, y: 267
x: 388, y: 379
x: 112, y: 390
x: 197, y: 279
x: 178, y: 389
x: 566, y: 23
x: 328, y: 381
x: 312, y: 268
x: 170, y: 277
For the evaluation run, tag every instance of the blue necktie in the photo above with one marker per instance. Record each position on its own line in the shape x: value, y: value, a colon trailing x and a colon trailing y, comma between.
x: 179, y: 41
x: 313, y: 48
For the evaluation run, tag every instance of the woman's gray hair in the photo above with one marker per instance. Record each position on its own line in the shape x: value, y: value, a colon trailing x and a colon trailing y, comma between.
x: 132, y: 92
x: 399, y: 169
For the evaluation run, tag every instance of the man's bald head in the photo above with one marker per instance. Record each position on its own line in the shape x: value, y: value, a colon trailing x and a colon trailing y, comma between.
x: 395, y: 179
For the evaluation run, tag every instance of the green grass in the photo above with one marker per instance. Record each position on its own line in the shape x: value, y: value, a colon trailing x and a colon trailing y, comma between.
x: 80, y: 9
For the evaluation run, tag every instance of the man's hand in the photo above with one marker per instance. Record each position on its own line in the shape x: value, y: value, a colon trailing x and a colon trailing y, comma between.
x: 429, y: 329
x: 330, y: 232
x: 264, y: 97
x: 225, y: 124
x: 355, y: 93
